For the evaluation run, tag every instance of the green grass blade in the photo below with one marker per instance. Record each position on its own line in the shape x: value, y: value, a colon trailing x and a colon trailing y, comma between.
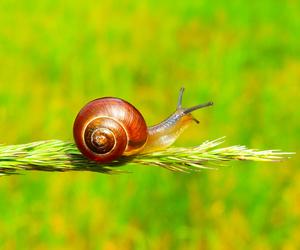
x: 61, y: 156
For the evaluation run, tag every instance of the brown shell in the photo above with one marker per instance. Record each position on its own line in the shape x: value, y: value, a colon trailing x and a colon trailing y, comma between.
x: 107, y: 128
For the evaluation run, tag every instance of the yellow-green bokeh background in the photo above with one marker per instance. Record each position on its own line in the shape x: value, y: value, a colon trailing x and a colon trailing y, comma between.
x: 245, y: 56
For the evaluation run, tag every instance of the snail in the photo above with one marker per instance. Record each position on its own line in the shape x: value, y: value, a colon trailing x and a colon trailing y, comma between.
x: 108, y: 128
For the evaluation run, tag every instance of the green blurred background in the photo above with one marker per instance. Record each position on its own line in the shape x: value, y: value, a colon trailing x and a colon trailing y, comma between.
x: 245, y: 56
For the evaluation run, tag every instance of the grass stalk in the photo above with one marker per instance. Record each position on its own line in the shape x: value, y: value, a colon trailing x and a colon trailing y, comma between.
x: 57, y: 155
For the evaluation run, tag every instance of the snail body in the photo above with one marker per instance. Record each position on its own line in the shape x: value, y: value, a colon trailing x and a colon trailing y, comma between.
x: 108, y: 128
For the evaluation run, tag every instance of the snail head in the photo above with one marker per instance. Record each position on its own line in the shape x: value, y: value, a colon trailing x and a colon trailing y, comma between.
x: 188, y: 111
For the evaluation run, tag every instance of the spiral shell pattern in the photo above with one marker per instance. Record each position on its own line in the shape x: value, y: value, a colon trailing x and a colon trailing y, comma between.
x: 108, y: 128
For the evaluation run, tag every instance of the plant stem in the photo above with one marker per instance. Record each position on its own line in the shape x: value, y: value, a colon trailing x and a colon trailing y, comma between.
x: 57, y: 155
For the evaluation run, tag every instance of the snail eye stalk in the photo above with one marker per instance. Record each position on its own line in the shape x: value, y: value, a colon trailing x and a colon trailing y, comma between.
x: 179, y: 103
x: 203, y: 105
x: 189, y: 110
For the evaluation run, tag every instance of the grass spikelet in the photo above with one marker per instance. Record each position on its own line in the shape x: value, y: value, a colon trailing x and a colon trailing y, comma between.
x: 61, y: 156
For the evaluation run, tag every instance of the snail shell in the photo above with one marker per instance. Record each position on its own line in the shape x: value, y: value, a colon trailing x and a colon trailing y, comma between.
x: 107, y: 128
